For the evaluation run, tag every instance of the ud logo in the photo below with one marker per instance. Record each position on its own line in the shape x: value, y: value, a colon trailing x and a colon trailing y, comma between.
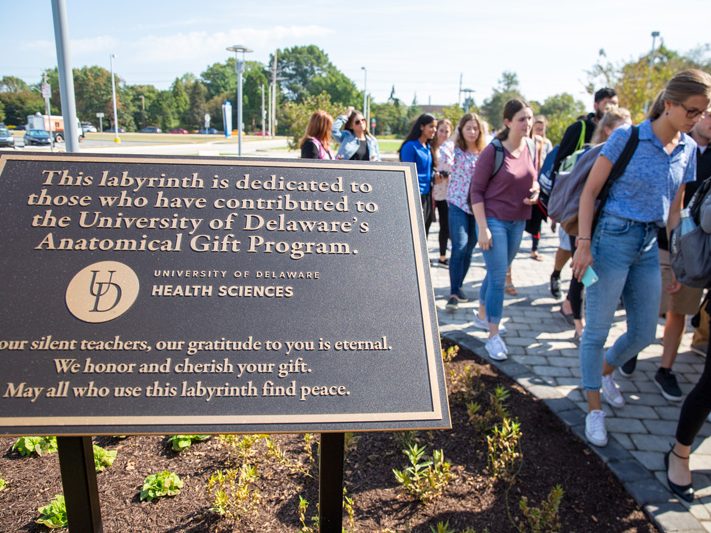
x: 102, y: 291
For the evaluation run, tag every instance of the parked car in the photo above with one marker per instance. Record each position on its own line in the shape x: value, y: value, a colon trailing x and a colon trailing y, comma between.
x: 110, y: 129
x: 88, y: 127
x: 179, y: 130
x: 208, y: 131
x: 150, y: 129
x: 6, y: 138
x: 37, y: 137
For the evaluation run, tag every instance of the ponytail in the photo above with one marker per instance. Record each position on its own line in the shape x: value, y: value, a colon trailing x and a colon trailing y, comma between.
x: 657, y: 107
x: 683, y: 85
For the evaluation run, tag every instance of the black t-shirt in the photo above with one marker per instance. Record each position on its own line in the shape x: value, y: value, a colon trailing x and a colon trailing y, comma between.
x: 362, y: 153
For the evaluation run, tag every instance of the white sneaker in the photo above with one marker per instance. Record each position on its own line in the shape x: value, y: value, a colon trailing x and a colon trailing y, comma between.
x: 483, y: 324
x: 611, y: 392
x: 496, y: 348
x: 595, y: 430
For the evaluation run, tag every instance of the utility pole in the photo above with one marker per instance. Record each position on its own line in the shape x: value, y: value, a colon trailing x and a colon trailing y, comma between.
x: 272, y: 119
x: 459, y: 98
x: 46, y: 93
x: 264, y: 114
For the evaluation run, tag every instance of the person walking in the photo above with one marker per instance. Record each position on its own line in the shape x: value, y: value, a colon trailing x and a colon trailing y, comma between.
x: 443, y: 146
x: 501, y: 202
x: 356, y: 142
x: 316, y: 142
x: 416, y: 148
x: 470, y: 140
x: 623, y: 247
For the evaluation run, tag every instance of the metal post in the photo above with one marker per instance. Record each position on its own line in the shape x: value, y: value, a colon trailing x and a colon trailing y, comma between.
x: 66, y: 79
x: 113, y: 96
x: 81, y: 493
x: 274, y: 94
x: 48, y: 109
x: 331, y: 482
x: 264, y: 114
x: 365, y: 94
x: 240, y: 70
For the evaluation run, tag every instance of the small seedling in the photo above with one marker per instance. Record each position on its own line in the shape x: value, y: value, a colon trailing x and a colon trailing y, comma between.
x: 449, y: 353
x: 234, y: 492
x: 27, y: 446
x: 103, y: 458
x: 179, y: 443
x: 425, y: 478
x: 54, y: 514
x: 543, y: 519
x: 442, y: 527
x: 3, y: 484
x: 162, y: 484
x: 504, y: 450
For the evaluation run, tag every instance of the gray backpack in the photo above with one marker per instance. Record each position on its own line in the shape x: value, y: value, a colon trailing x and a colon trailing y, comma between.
x: 690, y: 241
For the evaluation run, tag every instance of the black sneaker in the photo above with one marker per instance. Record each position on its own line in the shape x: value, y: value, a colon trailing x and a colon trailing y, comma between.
x: 555, y: 287
x: 666, y: 381
x: 452, y: 303
x: 628, y: 368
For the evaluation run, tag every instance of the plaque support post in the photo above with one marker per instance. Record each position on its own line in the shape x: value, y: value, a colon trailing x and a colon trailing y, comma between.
x: 81, y: 493
x: 331, y: 483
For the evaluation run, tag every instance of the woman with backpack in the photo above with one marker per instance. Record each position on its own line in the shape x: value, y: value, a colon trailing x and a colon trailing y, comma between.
x: 470, y: 140
x: 501, y: 201
x: 316, y: 142
x: 417, y: 148
x: 646, y: 195
x: 356, y: 142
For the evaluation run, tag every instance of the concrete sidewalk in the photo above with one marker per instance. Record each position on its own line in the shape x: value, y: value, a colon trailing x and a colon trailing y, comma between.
x: 544, y: 360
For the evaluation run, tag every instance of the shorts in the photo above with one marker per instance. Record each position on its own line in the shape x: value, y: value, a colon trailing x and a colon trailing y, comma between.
x: 684, y: 302
x: 564, y: 239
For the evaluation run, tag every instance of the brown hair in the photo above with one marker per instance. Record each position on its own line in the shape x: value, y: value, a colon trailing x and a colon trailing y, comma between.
x: 510, y: 109
x: 611, y: 119
x: 481, y: 139
x: 435, y: 141
x: 684, y: 84
x: 351, y: 118
x: 319, y: 127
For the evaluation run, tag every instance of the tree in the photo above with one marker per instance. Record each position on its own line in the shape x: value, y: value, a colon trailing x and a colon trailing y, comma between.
x: 560, y: 110
x: 307, y: 70
x: 20, y: 104
x: 195, y: 115
x: 12, y: 84
x: 294, y: 116
x: 493, y: 108
x: 2, y: 112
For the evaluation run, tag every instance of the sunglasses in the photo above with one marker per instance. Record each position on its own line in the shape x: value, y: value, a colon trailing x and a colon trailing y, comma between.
x: 359, y: 121
x: 693, y: 113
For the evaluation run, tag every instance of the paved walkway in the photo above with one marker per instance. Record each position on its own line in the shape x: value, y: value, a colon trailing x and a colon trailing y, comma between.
x: 544, y: 360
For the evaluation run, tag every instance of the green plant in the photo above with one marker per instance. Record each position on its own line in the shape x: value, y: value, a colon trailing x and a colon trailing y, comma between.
x: 26, y: 446
x: 349, y: 508
x: 233, y: 492
x: 449, y: 353
x: 309, y: 448
x: 54, y: 514
x: 405, y: 439
x: 161, y: 484
x: 425, y: 478
x: 178, y: 443
x: 442, y: 527
x: 483, y: 419
x: 3, y: 484
x: 103, y: 458
x: 543, y: 519
x: 466, y: 385
x: 504, y: 450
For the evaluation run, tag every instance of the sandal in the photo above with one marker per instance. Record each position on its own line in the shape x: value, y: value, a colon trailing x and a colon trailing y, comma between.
x: 536, y: 256
x: 509, y: 287
x: 685, y: 492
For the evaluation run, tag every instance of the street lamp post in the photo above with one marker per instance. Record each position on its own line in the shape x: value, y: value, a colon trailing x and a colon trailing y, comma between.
x: 467, y: 104
x: 113, y: 96
x: 655, y: 34
x: 239, y: 66
x: 365, y: 93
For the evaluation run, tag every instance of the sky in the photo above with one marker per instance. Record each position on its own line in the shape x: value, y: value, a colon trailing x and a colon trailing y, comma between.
x: 421, y: 48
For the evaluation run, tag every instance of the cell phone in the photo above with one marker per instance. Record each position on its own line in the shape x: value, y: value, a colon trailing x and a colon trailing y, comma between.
x: 590, y: 277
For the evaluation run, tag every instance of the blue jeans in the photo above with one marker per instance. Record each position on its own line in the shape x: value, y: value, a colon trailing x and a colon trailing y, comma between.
x: 462, y: 232
x: 505, y: 241
x: 626, y: 261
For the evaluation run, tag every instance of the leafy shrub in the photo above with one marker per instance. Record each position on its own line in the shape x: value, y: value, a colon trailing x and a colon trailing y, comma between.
x: 504, y: 450
x: 54, y: 514
x: 103, y: 458
x: 425, y: 478
x: 449, y: 353
x: 178, y: 443
x: 163, y: 483
x: 26, y: 446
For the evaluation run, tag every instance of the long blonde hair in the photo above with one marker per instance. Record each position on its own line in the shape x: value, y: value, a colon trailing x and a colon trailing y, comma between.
x: 684, y: 84
x: 612, y: 118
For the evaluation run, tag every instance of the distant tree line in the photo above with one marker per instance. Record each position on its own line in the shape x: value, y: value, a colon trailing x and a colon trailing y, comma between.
x: 307, y: 80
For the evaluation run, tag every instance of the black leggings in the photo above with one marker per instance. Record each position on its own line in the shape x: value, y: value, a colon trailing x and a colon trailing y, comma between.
x: 575, y: 291
x: 427, y: 211
x: 697, y: 406
x: 443, y: 216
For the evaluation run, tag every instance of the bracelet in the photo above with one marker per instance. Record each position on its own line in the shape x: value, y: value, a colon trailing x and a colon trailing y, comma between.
x: 583, y: 238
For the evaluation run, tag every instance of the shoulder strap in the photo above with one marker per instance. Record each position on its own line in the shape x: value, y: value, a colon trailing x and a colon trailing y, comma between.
x: 581, y: 139
x: 531, y: 149
x: 618, y: 169
x: 498, y: 155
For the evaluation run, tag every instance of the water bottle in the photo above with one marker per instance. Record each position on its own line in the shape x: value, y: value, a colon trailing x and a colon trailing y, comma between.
x: 687, y: 223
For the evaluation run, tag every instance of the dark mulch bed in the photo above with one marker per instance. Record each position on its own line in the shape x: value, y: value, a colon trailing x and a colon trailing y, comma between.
x: 593, y: 500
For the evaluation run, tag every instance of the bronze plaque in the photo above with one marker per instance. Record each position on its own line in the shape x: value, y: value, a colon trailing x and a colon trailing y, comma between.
x: 210, y: 295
